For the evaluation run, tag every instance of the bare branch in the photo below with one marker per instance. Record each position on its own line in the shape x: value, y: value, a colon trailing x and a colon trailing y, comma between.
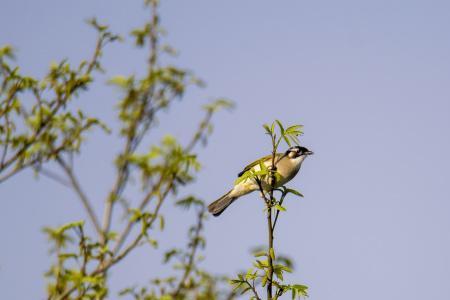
x: 49, y: 174
x: 78, y: 190
x: 194, y: 247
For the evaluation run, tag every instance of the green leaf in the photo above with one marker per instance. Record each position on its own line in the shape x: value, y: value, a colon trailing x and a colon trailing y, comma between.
x: 278, y: 273
x: 296, y: 130
x: 264, y: 281
x: 260, y: 253
x: 287, y: 141
x: 251, y: 275
x: 218, y: 104
x: 267, y: 128
x: 279, y: 207
x: 67, y: 255
x: 6, y: 51
x: 152, y: 242
x: 300, y: 290
x: 294, y: 139
x: 136, y: 214
x: 121, y: 81
x: 236, y: 283
x: 189, y: 201
x: 295, y: 192
x: 272, y: 253
x: 169, y: 254
x: 161, y: 222
x: 280, y: 126
x: 71, y: 225
x: 261, y: 264
x: 93, y: 22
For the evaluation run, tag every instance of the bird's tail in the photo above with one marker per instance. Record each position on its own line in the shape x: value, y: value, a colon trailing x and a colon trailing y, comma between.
x: 218, y: 206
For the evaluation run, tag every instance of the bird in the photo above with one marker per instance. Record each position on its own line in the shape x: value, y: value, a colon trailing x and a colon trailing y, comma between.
x: 287, y: 165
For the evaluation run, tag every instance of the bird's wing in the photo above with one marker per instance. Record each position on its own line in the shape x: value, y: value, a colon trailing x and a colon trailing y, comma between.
x: 258, y: 161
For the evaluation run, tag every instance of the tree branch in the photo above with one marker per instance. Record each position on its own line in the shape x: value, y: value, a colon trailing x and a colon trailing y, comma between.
x: 196, y: 138
x: 269, y: 219
x: 194, y: 247
x: 44, y: 123
x: 78, y: 190
x: 49, y: 174
x: 283, y: 195
x: 133, y: 139
x: 252, y: 287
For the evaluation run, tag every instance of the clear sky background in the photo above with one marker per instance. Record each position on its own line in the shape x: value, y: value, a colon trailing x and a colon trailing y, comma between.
x: 370, y: 80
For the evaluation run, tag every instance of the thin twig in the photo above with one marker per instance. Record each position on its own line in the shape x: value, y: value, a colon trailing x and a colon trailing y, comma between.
x: 98, y: 49
x: 133, y: 138
x: 269, y: 219
x: 122, y: 237
x: 196, y: 138
x: 161, y: 197
x: 252, y: 287
x: 78, y: 190
x: 155, y: 215
x: 60, y: 102
x: 8, y: 131
x: 194, y: 246
x: 278, y: 211
x: 22, y: 166
x: 53, y: 176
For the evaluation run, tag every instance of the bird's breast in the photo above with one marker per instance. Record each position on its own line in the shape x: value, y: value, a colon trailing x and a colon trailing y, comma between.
x: 288, y: 168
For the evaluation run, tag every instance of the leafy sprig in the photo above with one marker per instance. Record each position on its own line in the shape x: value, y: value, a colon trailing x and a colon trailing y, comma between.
x: 268, y: 270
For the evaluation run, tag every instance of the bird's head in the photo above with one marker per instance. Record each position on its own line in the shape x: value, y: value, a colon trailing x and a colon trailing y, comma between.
x: 298, y: 151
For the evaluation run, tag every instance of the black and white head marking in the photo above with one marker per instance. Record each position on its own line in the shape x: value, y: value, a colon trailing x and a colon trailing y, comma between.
x: 297, y: 151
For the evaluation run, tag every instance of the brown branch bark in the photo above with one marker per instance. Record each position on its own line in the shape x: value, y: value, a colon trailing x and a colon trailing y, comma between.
x: 269, y: 219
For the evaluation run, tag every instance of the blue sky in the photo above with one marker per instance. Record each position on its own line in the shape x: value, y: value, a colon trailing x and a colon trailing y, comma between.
x: 368, y: 79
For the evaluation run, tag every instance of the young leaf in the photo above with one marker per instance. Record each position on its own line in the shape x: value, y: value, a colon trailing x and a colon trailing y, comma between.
x: 272, y: 253
x: 295, y: 192
x: 295, y: 129
x: 260, y: 253
x: 268, y: 131
x: 279, y: 207
x: 281, y: 127
x: 287, y: 141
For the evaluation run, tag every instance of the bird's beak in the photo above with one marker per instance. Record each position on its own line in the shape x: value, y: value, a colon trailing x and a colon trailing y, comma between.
x: 309, y: 153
